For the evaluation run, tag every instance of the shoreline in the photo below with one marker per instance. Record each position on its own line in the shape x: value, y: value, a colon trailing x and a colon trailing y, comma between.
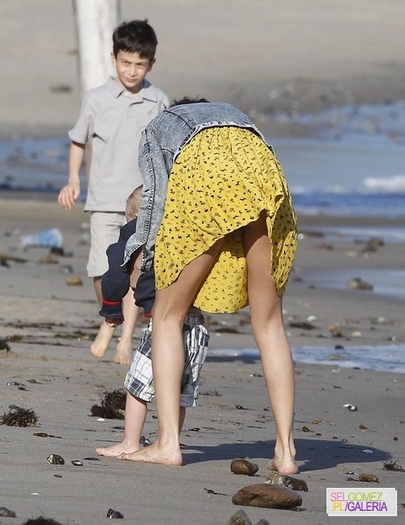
x: 313, y: 225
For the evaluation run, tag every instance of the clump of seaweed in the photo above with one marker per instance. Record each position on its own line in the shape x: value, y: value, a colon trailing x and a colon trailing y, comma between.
x: 19, y: 417
x: 4, y: 345
x: 41, y: 521
x: 112, y: 405
x: 392, y: 465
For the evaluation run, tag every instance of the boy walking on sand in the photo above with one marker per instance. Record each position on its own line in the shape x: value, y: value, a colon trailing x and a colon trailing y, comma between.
x: 139, y: 379
x: 113, y: 116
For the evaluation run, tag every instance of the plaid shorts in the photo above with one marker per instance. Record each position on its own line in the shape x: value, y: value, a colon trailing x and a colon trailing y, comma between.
x: 139, y: 379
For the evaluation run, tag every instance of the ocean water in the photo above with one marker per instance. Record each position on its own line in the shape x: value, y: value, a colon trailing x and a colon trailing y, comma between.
x: 34, y: 164
x: 354, y: 165
x: 384, y: 358
x: 344, y: 179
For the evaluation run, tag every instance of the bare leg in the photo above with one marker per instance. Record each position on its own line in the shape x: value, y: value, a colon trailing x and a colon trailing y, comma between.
x: 135, y: 415
x: 271, y: 339
x: 130, y: 312
x: 133, y: 456
x: 97, y: 289
x: 100, y: 344
x: 170, y: 308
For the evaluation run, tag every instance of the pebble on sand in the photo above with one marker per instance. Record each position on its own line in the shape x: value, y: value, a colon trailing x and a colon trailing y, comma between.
x: 241, y: 518
x: 75, y: 280
x: 275, y: 478
x: 244, y: 466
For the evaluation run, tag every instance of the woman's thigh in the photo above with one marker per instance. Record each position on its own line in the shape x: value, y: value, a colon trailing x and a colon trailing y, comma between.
x: 178, y: 297
x: 263, y: 297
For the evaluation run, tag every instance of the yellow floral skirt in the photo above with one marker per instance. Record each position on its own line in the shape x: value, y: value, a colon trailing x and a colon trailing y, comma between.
x: 221, y: 181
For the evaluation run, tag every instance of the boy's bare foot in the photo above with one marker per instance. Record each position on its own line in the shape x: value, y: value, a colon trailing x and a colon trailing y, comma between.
x: 123, y: 358
x: 100, y: 344
x: 155, y: 454
x: 116, y: 450
x: 123, y: 355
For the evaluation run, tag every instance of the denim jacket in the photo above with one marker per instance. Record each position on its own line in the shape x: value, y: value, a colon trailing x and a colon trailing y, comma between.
x: 161, y: 142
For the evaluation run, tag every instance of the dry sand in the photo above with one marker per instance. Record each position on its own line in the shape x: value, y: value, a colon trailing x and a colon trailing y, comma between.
x: 311, y: 53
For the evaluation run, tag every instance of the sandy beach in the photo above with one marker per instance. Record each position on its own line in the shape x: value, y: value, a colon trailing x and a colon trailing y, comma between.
x: 314, y: 55
x: 48, y: 326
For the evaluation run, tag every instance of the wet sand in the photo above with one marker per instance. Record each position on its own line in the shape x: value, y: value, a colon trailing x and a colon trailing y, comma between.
x: 48, y: 325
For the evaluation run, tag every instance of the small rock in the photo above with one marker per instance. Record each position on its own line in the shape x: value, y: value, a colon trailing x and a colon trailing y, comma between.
x: 373, y: 244
x: 244, y: 466
x: 145, y: 441
x: 7, y: 513
x: 368, y: 478
x: 60, y: 88
x: 358, y: 284
x: 55, y: 250
x: 336, y: 330
x: 114, y: 514
x: 269, y: 496
x: 48, y: 259
x: 75, y: 280
x: 55, y: 459
x: 275, y: 478
x: 66, y: 268
x: 350, y: 407
x: 240, y: 518
x: 304, y: 325
x: 325, y: 246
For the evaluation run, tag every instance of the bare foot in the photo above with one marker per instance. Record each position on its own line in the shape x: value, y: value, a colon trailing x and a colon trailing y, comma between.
x: 123, y: 358
x: 123, y: 355
x: 285, y: 466
x: 155, y: 454
x: 100, y: 344
x: 116, y: 450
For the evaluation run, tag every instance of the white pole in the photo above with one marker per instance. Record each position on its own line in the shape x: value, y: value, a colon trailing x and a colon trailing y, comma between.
x: 95, y: 21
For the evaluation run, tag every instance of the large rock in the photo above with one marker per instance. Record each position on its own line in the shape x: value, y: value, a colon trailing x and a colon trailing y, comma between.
x: 265, y: 495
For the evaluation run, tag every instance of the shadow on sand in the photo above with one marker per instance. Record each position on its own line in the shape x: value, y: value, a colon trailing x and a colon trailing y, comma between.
x: 317, y: 454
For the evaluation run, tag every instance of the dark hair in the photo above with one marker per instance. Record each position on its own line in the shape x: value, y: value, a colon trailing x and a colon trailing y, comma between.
x: 136, y: 37
x: 188, y: 100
